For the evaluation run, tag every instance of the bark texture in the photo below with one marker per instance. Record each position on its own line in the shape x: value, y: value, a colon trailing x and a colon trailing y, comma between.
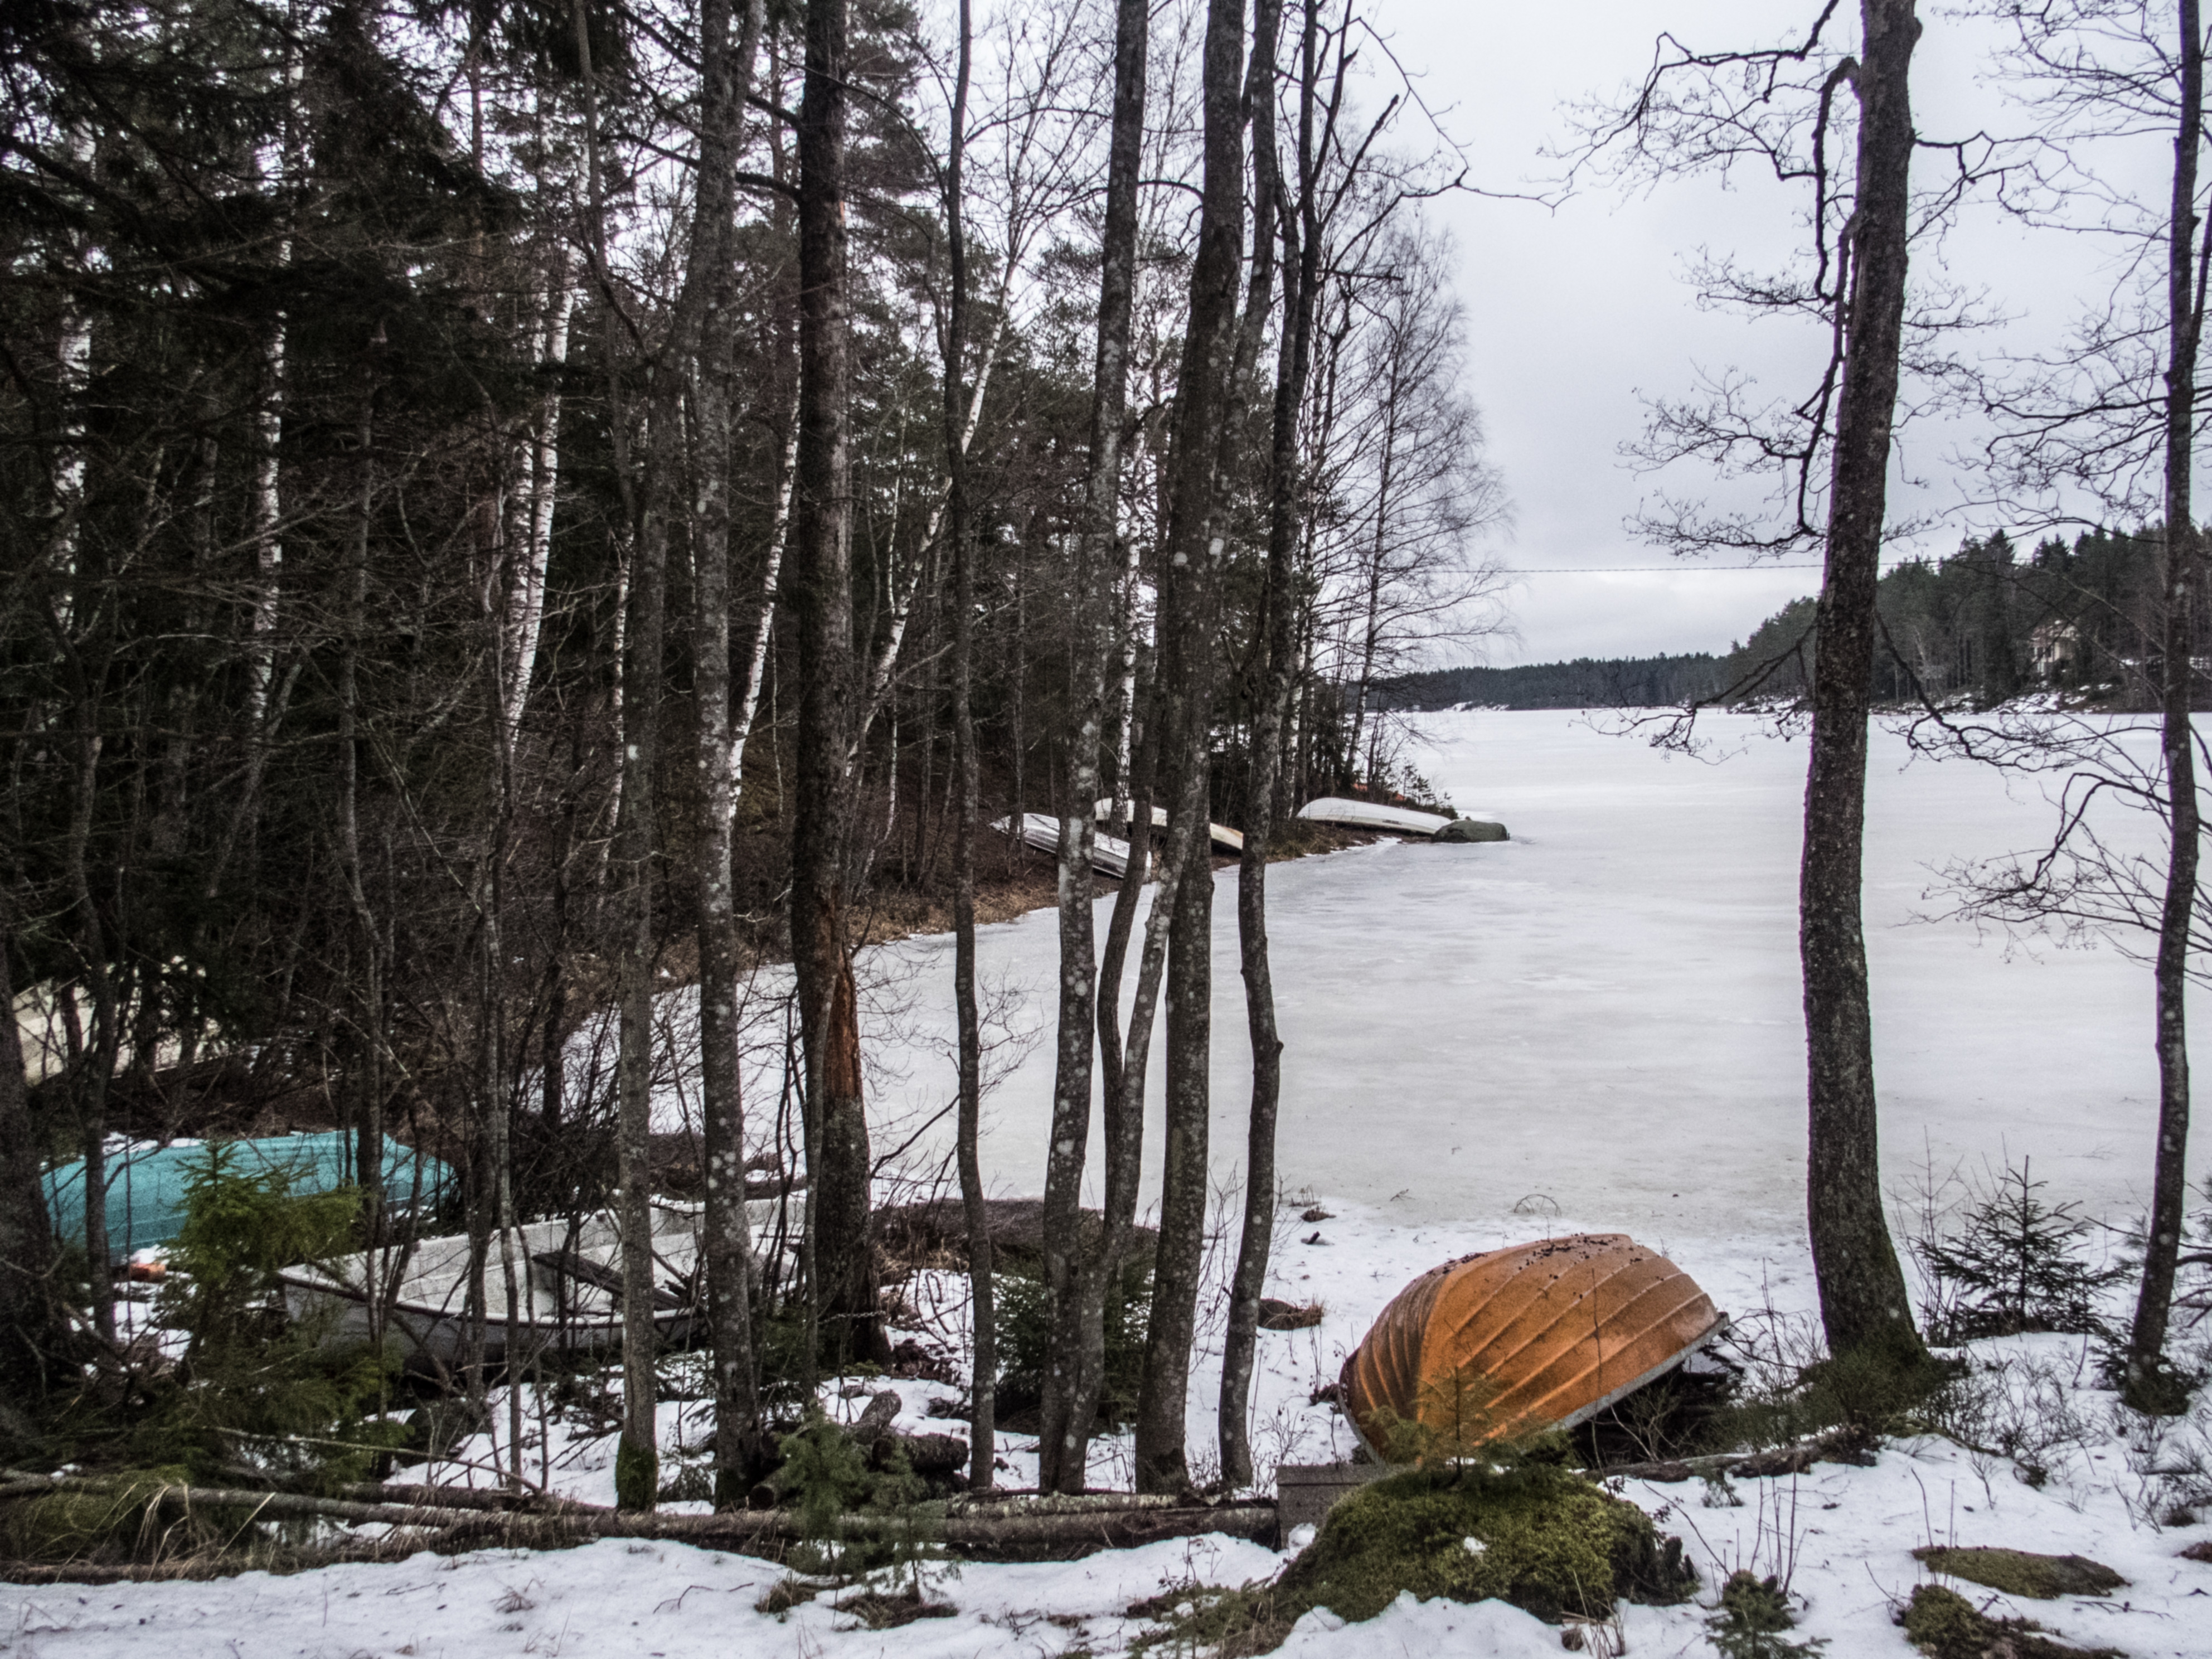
x: 818, y: 586
x: 727, y: 74
x: 29, y: 1323
x: 982, y: 1403
x: 1194, y: 550
x: 1863, y: 1301
x: 1279, y: 607
x: 1077, y: 1284
x: 2146, y: 1383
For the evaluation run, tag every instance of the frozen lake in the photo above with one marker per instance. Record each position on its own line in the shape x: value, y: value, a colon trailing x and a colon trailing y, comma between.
x: 1604, y: 1012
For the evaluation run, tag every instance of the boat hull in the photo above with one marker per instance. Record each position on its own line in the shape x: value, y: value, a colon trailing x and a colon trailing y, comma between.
x: 567, y: 1277
x: 1515, y: 1341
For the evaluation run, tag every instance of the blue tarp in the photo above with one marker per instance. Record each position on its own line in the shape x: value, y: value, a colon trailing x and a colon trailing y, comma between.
x: 146, y: 1184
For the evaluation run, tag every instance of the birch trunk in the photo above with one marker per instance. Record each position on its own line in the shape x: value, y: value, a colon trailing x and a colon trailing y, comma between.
x: 526, y: 597
x: 1076, y: 1300
x: 729, y: 1249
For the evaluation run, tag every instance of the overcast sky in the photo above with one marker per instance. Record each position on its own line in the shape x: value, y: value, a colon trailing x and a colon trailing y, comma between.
x: 1577, y: 313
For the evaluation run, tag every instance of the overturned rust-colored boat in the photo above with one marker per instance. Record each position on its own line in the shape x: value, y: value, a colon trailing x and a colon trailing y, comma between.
x: 1515, y: 1341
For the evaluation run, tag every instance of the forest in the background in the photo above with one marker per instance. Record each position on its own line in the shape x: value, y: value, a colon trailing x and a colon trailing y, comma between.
x: 1975, y: 629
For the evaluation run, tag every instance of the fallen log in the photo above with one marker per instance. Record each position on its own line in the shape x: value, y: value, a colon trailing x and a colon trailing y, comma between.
x: 461, y: 1497
x: 1054, y: 1527
x: 1838, y: 1446
x: 392, y: 1546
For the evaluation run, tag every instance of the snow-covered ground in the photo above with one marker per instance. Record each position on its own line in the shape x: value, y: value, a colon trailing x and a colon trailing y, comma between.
x: 1594, y: 1025
x: 1842, y: 1536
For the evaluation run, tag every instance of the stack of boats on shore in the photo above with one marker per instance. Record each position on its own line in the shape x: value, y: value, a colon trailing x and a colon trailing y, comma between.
x: 568, y: 1281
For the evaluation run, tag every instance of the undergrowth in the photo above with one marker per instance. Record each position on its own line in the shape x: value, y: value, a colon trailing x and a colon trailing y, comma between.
x: 1525, y: 1530
x: 1025, y: 1340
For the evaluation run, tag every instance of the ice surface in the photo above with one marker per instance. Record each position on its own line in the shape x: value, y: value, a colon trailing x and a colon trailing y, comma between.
x: 1604, y: 1011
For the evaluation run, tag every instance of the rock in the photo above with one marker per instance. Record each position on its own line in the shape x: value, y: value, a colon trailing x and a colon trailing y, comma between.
x: 1944, y: 1624
x: 1464, y: 830
x: 2022, y: 1572
x: 876, y: 1421
x: 1552, y: 1543
x: 935, y: 1232
x: 1276, y: 1316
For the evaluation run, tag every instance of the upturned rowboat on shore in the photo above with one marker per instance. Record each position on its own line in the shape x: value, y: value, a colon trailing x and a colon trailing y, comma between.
x: 1369, y: 814
x: 1224, y: 839
x: 568, y: 1285
x: 1515, y: 1341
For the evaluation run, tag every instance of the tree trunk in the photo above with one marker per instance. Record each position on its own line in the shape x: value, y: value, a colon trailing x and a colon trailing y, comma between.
x: 1278, y: 606
x: 2148, y: 1384
x: 1092, y: 626
x: 819, y: 589
x: 1194, y: 550
x: 982, y: 1385
x: 726, y: 77
x: 30, y: 1323
x: 1863, y: 1301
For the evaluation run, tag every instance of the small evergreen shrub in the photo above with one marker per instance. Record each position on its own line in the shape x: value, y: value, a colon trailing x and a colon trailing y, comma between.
x: 1025, y: 1340
x: 252, y: 1385
x: 825, y: 1475
x: 2016, y: 1266
x: 1752, y: 1614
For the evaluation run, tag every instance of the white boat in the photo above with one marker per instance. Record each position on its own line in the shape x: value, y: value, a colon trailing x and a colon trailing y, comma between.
x: 568, y: 1281
x: 1367, y: 815
x: 1225, y: 839
x: 1109, y: 855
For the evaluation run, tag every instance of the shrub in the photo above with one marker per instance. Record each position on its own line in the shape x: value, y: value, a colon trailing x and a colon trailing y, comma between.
x: 250, y: 1382
x: 1749, y: 1622
x: 826, y: 1473
x: 2016, y: 1266
x: 1024, y: 1339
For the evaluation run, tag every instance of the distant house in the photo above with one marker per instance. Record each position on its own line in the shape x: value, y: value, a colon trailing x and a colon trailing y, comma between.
x: 2055, y: 646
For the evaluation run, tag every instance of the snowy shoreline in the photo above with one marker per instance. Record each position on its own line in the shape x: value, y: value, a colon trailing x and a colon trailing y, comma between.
x: 1843, y: 1535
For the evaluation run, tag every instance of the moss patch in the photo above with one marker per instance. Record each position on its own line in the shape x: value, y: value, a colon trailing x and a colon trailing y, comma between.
x: 138, y: 1517
x: 1538, y: 1537
x: 1534, y: 1534
x: 1226, y: 1623
x: 2022, y: 1572
x: 1944, y: 1624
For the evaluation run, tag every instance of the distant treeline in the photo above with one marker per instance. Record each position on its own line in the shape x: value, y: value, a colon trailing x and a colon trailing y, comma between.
x: 1585, y: 683
x: 1979, y: 627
